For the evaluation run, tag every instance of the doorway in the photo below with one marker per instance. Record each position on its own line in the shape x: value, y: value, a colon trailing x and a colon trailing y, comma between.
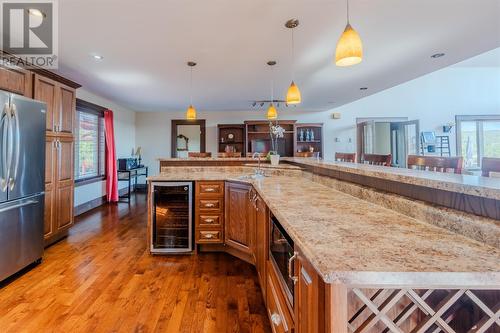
x: 187, y: 136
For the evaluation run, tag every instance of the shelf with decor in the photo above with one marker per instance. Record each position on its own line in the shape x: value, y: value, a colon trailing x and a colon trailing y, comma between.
x: 308, y: 139
x: 231, y: 138
x: 258, y: 138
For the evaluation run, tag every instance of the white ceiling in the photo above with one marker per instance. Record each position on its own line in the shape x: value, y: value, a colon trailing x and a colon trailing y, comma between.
x: 146, y: 44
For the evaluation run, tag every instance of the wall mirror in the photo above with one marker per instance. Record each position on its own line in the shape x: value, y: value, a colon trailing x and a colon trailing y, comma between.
x: 187, y: 136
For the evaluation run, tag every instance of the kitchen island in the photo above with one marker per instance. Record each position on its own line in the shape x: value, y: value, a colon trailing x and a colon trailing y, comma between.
x: 358, y: 264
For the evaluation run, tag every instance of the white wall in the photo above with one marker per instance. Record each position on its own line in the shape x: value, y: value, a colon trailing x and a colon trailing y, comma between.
x: 434, y: 99
x: 124, y: 125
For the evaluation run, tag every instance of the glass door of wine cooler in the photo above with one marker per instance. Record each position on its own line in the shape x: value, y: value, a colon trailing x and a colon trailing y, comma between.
x: 172, y: 217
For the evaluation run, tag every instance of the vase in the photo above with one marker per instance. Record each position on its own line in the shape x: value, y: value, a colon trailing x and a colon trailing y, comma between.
x: 275, y: 159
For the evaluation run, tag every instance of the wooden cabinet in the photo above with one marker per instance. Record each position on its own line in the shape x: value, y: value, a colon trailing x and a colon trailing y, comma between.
x: 59, y: 178
x: 239, y: 220
x: 65, y: 113
x: 16, y: 80
x: 61, y: 105
x: 59, y: 171
x: 50, y: 181
x: 46, y: 91
x: 209, y: 212
x: 308, y: 297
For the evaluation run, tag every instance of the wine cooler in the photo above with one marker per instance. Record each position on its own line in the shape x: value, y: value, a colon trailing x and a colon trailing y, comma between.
x: 172, y: 212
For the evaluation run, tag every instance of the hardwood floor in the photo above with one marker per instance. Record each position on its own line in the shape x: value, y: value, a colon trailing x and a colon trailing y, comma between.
x: 102, y: 279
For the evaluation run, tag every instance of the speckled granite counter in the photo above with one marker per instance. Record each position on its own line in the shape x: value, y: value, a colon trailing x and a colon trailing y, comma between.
x: 355, y: 242
x: 484, y: 187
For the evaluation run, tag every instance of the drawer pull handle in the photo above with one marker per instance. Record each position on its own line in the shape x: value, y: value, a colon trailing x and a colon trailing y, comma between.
x: 209, y: 236
x: 210, y: 189
x: 209, y: 220
x: 209, y: 205
x: 276, y: 319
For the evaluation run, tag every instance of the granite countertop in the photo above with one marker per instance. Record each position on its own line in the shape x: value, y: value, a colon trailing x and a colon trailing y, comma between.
x: 352, y: 241
x: 486, y: 187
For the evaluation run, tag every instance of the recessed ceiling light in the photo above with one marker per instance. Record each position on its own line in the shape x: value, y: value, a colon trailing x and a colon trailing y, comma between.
x: 363, y: 88
x: 36, y: 12
x: 97, y: 57
x: 437, y: 55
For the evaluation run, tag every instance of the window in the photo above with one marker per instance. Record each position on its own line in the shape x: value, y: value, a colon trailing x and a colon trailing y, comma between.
x: 90, y: 149
x: 478, y: 137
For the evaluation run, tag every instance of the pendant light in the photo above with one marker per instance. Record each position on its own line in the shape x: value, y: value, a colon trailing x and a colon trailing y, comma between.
x: 191, y: 111
x: 349, y: 47
x: 293, y: 93
x: 272, y: 113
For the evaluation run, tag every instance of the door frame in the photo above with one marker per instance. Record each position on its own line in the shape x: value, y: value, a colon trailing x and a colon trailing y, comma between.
x: 173, y: 140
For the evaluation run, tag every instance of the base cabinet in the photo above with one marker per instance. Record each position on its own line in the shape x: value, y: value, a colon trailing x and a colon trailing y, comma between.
x: 59, y: 188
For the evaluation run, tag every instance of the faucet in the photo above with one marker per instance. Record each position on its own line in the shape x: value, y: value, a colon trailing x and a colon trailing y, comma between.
x: 258, y: 171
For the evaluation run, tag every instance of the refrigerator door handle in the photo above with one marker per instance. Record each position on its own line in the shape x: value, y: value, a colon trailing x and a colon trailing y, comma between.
x: 5, y: 127
x: 17, y: 144
x: 26, y: 203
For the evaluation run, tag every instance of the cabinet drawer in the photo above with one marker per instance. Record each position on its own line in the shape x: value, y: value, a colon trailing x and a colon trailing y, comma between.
x: 209, y: 220
x: 280, y: 317
x: 210, y: 204
x: 209, y: 236
x: 211, y: 189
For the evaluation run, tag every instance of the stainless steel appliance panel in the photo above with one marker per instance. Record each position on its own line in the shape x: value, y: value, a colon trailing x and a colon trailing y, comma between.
x: 282, y: 254
x: 21, y: 234
x: 27, y: 173
x: 4, y: 149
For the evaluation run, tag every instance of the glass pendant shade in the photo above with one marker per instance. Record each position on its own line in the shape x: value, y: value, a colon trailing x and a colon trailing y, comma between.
x: 349, y: 48
x: 271, y: 112
x: 293, y: 94
x: 191, y: 113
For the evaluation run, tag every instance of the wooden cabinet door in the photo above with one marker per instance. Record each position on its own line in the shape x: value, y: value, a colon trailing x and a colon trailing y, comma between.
x: 308, y: 291
x: 261, y: 241
x: 66, y: 110
x: 16, y: 80
x: 65, y: 162
x: 50, y: 183
x: 238, y: 217
x: 46, y: 91
x: 64, y: 183
x: 64, y: 199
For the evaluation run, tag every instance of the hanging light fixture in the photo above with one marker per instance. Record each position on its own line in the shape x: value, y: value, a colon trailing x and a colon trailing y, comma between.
x: 272, y: 113
x: 349, y: 47
x: 191, y: 111
x: 293, y: 93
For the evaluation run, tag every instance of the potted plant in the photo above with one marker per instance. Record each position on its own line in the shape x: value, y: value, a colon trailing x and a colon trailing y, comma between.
x: 276, y: 132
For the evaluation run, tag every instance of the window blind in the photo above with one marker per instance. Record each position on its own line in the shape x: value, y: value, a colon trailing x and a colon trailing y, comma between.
x: 89, y: 146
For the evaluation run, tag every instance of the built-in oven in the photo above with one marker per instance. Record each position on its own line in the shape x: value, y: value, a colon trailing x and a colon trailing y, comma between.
x: 281, y: 252
x: 172, y: 217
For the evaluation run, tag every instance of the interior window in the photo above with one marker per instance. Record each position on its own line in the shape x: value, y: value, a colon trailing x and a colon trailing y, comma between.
x: 89, y: 145
x: 478, y: 137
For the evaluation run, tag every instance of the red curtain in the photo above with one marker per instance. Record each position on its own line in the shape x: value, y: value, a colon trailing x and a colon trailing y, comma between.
x: 111, y: 174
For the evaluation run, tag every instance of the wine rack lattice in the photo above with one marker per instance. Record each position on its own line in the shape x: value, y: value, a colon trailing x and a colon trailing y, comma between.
x: 424, y: 311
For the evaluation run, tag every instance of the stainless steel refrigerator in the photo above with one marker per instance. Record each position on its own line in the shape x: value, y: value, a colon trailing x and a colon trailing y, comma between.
x: 22, y: 181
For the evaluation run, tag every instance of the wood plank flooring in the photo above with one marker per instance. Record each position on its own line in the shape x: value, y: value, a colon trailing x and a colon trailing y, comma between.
x: 102, y: 279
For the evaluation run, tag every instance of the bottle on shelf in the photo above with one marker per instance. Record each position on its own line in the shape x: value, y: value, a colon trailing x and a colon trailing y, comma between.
x: 301, y: 137
x: 312, y: 135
